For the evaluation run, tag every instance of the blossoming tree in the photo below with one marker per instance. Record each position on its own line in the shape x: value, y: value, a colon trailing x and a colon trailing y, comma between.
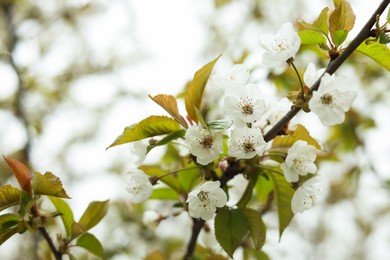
x: 251, y: 137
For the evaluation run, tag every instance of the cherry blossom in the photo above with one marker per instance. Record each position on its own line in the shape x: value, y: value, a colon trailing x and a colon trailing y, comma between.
x: 237, y: 76
x: 246, y: 142
x: 332, y: 99
x: 139, y: 186
x: 205, y: 146
x: 203, y: 201
x: 305, y: 196
x: 311, y: 74
x: 245, y: 104
x: 280, y: 47
x: 299, y: 161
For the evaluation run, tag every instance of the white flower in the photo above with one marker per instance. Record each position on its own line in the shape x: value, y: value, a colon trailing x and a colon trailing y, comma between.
x: 246, y: 142
x: 245, y: 104
x: 139, y: 186
x: 280, y: 47
x: 237, y: 76
x: 306, y: 195
x: 205, y: 146
x: 332, y: 99
x: 138, y: 149
x: 299, y: 161
x: 151, y: 218
x: 203, y: 201
x: 276, y: 112
x: 311, y: 74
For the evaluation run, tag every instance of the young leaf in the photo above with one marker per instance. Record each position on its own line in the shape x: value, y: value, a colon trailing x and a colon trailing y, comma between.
x: 164, y: 194
x: 156, y: 170
x: 342, y: 18
x: 92, y: 244
x: 231, y: 226
x: 9, y: 196
x: 378, y: 52
x: 48, y: 184
x: 8, y: 226
x: 6, y: 234
x: 257, y: 228
x: 300, y: 133
x: 77, y: 230
x: 311, y: 37
x: 320, y: 25
x: 151, y: 126
x: 172, y: 136
x: 26, y: 203
x: 66, y: 214
x: 168, y: 102
x: 264, y: 187
x: 248, y: 191
x: 21, y: 172
x: 188, y: 178
x: 194, y: 93
x: 339, y: 37
x: 219, y: 125
x: 283, y: 194
x: 93, y: 214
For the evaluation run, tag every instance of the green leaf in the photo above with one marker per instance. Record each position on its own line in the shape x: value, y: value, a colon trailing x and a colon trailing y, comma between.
x: 164, y: 194
x: 320, y: 25
x: 8, y: 226
x: 376, y: 51
x: 342, y: 18
x: 172, y: 136
x: 21, y: 172
x: 48, y: 184
x: 311, y: 37
x: 156, y: 170
x: 188, y: 178
x: 383, y: 38
x: 151, y: 126
x: 264, y: 187
x: 92, y: 244
x: 339, y: 37
x: 300, y: 133
x: 9, y: 196
x: 283, y: 194
x: 194, y: 93
x: 219, y: 125
x: 94, y: 214
x: 26, y: 203
x: 257, y: 228
x: 169, y: 103
x: 231, y: 226
x: 199, y: 117
x: 245, y: 198
x: 77, y: 230
x: 66, y: 214
x: 388, y: 16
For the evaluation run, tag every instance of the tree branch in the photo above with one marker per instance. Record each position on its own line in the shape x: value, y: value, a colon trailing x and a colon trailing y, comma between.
x: 331, y: 68
x: 57, y: 254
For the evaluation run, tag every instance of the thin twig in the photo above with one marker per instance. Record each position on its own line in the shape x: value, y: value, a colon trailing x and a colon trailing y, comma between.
x: 57, y: 254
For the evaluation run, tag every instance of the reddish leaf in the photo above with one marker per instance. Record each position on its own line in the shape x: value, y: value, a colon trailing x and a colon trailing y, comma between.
x: 168, y: 102
x: 21, y: 172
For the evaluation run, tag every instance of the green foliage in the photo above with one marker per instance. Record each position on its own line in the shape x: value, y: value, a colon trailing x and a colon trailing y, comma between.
x: 168, y: 102
x: 48, y: 184
x: 376, y: 51
x: 283, y: 194
x: 320, y: 25
x: 66, y: 213
x: 245, y: 198
x: 257, y: 228
x: 299, y: 133
x: 339, y: 37
x: 170, y: 180
x: 219, y: 125
x: 164, y: 194
x: 92, y: 244
x: 231, y: 226
x: 9, y: 196
x: 311, y: 37
x: 264, y: 187
x: 94, y: 213
x: 194, y: 93
x: 149, y: 127
x: 167, y: 139
x: 341, y: 18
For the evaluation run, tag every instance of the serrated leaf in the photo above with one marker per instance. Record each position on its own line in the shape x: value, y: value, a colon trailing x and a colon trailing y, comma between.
x: 94, y: 213
x: 149, y: 127
x: 169, y: 103
x: 156, y: 170
x: 66, y: 214
x: 311, y: 37
x: 283, y: 194
x: 300, y: 133
x: 342, y: 18
x: 21, y: 172
x: 339, y: 37
x: 48, y: 184
x: 231, y: 226
x: 92, y: 244
x: 376, y: 51
x: 6, y: 234
x: 219, y: 125
x: 194, y: 92
x: 257, y: 228
x: 170, y: 137
x: 164, y: 194
x: 320, y: 25
x: 9, y: 196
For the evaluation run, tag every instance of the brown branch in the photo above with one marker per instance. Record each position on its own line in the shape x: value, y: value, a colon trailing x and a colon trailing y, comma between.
x: 57, y: 254
x: 364, y: 33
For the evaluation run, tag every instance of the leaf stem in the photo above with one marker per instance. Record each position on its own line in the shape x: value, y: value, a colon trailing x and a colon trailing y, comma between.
x: 299, y: 78
x: 57, y: 253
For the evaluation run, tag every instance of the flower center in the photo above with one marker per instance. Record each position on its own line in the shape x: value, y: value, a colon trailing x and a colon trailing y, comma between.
x: 326, y: 99
x: 206, y: 142
x: 203, y: 198
x: 248, y: 144
x: 280, y: 46
x: 246, y: 105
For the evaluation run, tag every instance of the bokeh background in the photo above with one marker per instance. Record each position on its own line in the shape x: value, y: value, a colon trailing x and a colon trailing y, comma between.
x: 74, y: 73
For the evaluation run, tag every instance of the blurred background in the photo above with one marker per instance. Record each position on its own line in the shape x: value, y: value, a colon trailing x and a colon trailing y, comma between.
x: 74, y: 73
